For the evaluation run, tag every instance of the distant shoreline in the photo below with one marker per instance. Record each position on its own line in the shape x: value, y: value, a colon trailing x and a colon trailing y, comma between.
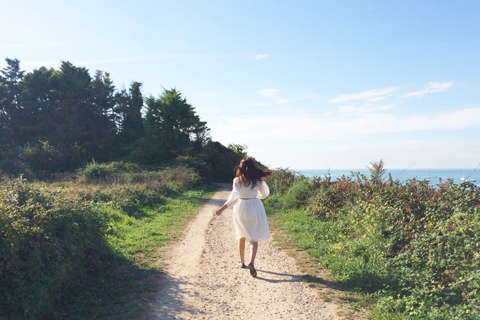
x: 402, y: 174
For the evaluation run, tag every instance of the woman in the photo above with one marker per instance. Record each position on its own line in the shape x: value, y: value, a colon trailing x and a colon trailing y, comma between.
x: 249, y: 215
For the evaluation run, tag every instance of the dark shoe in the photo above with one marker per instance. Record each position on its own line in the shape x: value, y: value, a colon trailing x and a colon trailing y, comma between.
x: 243, y: 266
x: 253, y: 272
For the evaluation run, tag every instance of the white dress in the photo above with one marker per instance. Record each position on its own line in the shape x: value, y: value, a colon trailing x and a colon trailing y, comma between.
x: 249, y: 215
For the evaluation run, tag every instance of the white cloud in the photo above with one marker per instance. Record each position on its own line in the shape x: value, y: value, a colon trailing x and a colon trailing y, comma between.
x: 431, y: 88
x: 346, y: 109
x: 273, y: 94
x: 259, y: 56
x: 46, y: 44
x: 371, y: 95
x: 269, y: 92
x: 351, y: 109
x: 382, y: 108
x: 305, y: 127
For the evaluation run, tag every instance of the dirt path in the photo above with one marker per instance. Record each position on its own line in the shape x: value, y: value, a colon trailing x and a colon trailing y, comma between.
x: 204, y: 281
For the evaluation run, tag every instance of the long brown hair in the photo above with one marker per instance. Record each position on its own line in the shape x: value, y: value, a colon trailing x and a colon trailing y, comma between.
x: 249, y: 173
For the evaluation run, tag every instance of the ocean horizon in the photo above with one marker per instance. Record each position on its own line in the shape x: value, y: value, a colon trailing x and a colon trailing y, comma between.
x: 434, y: 175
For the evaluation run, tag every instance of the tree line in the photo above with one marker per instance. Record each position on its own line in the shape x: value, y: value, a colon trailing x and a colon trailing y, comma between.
x: 57, y: 120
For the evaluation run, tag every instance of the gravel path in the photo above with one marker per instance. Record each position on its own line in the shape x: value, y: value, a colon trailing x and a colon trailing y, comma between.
x: 203, y: 279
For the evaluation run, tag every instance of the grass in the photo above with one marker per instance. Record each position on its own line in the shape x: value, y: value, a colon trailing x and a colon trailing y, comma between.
x: 137, y: 240
x: 299, y: 235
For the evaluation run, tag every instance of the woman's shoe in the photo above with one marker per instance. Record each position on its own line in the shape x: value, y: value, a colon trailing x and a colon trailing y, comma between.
x: 243, y: 266
x: 253, y: 272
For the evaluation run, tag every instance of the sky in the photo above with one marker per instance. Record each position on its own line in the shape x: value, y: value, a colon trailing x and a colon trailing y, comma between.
x: 304, y: 84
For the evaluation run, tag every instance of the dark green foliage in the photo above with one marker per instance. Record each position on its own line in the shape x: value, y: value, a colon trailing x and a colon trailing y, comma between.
x: 54, y: 121
x: 49, y: 244
x: 282, y: 179
x: 238, y: 148
x: 130, y: 109
x: 221, y: 161
x: 173, y: 124
x: 102, y: 172
x: 10, y: 101
x: 203, y: 168
x: 413, y: 245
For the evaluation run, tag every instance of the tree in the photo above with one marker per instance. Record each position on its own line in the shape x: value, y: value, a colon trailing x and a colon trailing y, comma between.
x: 173, y: 124
x: 130, y: 107
x: 10, y: 101
x: 238, y: 148
x: 38, y: 107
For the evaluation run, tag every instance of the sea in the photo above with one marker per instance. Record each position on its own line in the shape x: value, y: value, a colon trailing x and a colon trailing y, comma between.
x: 433, y: 175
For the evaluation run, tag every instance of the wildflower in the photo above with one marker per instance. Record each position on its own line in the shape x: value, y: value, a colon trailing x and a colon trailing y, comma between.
x: 468, y: 310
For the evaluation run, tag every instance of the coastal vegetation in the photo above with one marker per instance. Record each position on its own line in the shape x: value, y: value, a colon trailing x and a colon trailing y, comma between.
x: 412, y: 248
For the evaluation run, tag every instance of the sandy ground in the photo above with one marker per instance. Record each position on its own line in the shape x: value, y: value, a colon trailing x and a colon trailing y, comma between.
x: 203, y: 279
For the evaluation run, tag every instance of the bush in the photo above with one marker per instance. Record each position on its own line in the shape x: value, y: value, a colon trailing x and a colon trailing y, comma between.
x: 102, y: 172
x: 281, y: 180
x: 200, y: 166
x: 49, y: 244
x: 298, y: 194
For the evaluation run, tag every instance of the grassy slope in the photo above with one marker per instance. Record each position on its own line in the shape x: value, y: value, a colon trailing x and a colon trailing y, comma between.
x: 137, y: 241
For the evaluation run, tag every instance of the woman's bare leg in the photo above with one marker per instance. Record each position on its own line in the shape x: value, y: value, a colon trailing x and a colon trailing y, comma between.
x: 241, y: 248
x: 254, y: 247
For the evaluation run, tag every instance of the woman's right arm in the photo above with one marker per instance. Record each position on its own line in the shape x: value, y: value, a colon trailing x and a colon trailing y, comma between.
x: 234, y: 196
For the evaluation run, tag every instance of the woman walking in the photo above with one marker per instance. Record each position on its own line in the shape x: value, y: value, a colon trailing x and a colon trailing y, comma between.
x: 249, y: 215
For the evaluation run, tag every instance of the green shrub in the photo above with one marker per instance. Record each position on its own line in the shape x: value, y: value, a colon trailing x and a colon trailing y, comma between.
x: 200, y: 166
x: 102, y: 172
x: 298, y: 194
x: 281, y: 180
x: 49, y: 244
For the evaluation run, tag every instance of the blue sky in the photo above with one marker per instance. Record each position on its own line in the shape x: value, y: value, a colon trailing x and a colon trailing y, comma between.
x: 304, y: 84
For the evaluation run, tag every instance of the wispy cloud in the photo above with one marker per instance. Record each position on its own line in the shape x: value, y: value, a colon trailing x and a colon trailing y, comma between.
x: 153, y: 57
x: 430, y: 88
x: 273, y: 95
x: 259, y: 56
x: 372, y: 95
x: 46, y: 44
x: 352, y: 109
x: 269, y: 92
x: 304, y: 127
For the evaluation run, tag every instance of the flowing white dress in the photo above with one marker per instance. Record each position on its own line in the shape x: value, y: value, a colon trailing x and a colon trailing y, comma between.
x: 249, y: 215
